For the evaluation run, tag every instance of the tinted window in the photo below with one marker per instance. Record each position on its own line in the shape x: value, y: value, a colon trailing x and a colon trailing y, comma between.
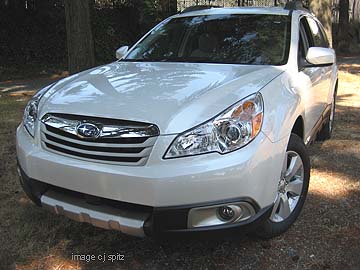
x: 301, y: 50
x: 305, y: 39
x: 317, y: 33
x: 327, y: 44
x: 239, y: 39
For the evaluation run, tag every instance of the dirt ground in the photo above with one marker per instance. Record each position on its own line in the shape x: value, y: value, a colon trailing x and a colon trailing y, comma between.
x: 326, y: 235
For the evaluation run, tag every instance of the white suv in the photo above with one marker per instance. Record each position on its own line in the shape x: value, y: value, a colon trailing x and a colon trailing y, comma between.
x: 201, y: 126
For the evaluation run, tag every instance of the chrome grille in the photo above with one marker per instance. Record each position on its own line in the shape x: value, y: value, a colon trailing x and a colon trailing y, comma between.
x: 117, y: 141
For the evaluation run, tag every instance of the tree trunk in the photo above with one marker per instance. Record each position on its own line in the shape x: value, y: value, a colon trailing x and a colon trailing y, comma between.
x: 343, y: 36
x: 322, y: 10
x: 344, y: 13
x: 80, y: 43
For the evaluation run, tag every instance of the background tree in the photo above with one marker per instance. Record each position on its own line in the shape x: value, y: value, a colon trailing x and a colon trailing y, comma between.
x: 343, y: 22
x: 343, y: 15
x: 342, y: 35
x: 80, y: 44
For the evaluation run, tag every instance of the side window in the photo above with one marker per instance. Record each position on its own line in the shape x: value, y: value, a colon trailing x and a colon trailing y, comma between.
x: 317, y: 32
x: 305, y: 42
x: 306, y: 35
x: 323, y: 33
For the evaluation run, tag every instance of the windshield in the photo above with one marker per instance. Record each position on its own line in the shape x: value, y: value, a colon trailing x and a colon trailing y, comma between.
x: 230, y: 39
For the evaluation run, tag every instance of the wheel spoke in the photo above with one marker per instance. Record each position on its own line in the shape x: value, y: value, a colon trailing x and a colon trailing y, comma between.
x: 276, y: 206
x: 284, y: 210
x: 284, y: 167
x: 294, y: 167
x: 295, y: 187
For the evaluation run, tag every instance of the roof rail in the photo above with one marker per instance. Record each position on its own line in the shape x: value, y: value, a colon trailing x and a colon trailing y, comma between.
x: 295, y: 5
x: 196, y: 8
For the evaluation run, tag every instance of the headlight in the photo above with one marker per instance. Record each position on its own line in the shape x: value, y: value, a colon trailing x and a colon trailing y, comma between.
x: 31, y: 110
x: 229, y: 131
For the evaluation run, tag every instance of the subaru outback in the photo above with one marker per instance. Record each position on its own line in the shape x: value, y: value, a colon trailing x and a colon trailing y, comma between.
x: 201, y: 126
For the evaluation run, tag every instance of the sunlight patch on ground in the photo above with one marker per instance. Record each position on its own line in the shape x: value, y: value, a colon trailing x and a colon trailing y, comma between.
x: 331, y: 185
x: 50, y: 262
x: 22, y: 93
x: 53, y: 261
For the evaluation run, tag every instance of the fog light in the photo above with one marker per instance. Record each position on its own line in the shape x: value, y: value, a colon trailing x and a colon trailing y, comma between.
x: 226, y: 213
x: 220, y: 214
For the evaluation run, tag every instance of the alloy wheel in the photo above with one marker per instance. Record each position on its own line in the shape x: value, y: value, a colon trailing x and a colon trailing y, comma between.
x: 289, y: 188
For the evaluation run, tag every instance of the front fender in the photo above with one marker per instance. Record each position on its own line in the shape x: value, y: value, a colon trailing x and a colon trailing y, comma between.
x: 282, y: 106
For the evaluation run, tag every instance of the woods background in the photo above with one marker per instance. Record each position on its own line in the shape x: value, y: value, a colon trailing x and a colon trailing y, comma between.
x: 33, y: 35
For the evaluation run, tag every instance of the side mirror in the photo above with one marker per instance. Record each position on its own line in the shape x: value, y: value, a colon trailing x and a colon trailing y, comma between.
x: 318, y: 56
x: 120, y: 53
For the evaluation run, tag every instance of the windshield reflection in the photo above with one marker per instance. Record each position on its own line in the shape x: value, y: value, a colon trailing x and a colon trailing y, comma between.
x: 228, y: 39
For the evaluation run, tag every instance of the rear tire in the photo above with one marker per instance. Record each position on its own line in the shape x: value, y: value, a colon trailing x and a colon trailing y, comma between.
x: 292, y: 190
x: 326, y: 130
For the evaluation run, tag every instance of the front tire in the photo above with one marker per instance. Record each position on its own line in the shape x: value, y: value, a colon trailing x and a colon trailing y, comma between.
x: 292, y: 190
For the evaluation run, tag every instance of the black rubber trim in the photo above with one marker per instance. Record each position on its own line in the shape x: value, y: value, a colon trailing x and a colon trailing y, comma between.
x: 233, y: 230
x: 227, y: 226
x: 306, y: 65
x: 33, y: 188
x: 195, y: 205
x: 175, y: 218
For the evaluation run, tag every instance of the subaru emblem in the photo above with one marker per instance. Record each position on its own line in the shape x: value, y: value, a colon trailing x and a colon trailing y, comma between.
x: 88, y: 131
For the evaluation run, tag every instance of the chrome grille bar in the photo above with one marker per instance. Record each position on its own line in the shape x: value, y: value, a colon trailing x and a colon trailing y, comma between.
x: 107, y: 131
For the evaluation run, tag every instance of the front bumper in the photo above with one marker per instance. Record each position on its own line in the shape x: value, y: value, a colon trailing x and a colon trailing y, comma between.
x: 165, y: 189
x: 136, y: 220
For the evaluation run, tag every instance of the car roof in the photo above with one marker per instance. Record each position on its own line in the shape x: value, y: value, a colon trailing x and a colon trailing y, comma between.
x: 235, y: 10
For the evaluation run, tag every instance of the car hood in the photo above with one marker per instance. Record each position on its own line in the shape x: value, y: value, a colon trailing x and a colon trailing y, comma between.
x: 174, y: 96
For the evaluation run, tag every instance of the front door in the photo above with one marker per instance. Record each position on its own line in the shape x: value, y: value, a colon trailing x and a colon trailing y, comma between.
x: 315, y: 98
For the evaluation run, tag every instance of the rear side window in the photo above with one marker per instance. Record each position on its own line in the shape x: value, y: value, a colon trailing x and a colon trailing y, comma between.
x: 318, y: 35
